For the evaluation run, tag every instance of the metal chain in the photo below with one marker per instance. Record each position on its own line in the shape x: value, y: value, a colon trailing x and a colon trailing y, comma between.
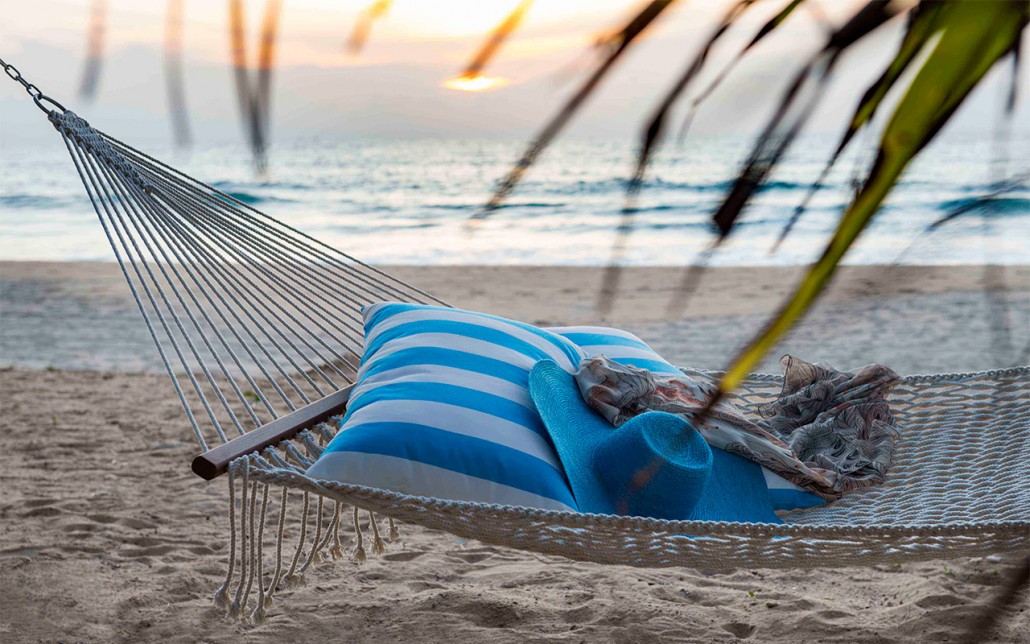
x: 37, y: 94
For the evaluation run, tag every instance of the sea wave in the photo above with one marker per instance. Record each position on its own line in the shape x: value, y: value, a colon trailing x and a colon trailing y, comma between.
x: 37, y: 201
x: 995, y: 206
x: 250, y: 198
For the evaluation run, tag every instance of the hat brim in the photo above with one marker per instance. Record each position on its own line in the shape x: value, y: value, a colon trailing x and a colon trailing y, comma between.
x: 733, y: 490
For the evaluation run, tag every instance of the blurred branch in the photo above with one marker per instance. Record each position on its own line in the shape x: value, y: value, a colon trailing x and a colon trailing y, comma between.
x: 495, y: 40
x: 173, y: 73
x: 94, y: 49
x: 255, y: 103
x: 363, y: 24
x: 922, y: 24
x: 650, y: 139
x: 764, y: 31
x: 617, y: 46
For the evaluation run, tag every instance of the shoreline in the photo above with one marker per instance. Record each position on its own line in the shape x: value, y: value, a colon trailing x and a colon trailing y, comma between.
x: 915, y: 319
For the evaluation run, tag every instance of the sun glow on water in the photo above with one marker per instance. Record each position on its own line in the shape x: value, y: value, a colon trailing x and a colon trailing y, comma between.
x: 477, y: 83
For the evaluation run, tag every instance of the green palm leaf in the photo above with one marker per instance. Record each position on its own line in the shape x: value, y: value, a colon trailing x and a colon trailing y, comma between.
x: 973, y: 37
x: 922, y: 24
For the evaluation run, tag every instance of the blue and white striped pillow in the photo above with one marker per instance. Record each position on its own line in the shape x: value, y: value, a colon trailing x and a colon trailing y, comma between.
x: 621, y: 346
x: 442, y: 409
x: 626, y: 348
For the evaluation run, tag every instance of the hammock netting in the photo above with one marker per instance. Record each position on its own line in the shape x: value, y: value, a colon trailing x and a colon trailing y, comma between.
x: 255, y: 319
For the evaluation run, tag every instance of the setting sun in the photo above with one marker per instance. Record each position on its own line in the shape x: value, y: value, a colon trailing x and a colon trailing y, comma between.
x: 475, y: 83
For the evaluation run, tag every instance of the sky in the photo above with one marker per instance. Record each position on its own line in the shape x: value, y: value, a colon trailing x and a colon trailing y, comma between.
x: 395, y: 87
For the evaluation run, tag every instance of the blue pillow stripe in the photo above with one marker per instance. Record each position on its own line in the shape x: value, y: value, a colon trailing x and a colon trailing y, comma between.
x: 456, y: 420
x: 437, y: 356
x: 588, y: 339
x: 483, y: 458
x: 621, y: 346
x: 377, y: 314
x: 421, y: 479
x: 788, y: 496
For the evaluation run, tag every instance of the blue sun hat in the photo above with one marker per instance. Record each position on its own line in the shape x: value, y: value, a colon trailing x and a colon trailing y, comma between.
x: 655, y: 465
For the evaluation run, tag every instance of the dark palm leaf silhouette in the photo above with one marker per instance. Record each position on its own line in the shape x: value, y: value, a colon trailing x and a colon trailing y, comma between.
x: 958, y: 40
x: 972, y: 37
x: 497, y: 37
x: 173, y: 74
x: 255, y: 101
x: 922, y: 24
x: 615, y: 46
x: 651, y: 137
x: 363, y: 25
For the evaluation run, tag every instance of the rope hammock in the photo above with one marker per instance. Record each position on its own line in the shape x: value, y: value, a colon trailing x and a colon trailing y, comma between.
x: 258, y: 326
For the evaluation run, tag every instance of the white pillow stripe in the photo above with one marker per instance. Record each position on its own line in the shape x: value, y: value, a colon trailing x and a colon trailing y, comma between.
x: 595, y: 330
x: 618, y: 352
x: 456, y: 342
x: 448, y: 376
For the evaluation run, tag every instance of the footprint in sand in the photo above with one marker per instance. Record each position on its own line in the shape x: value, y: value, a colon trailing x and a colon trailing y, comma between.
x: 483, y: 612
x: 581, y: 615
x: 35, y: 503
x: 740, y: 630
x: 939, y: 601
x: 422, y: 586
x: 44, y: 511
x: 833, y: 614
x: 470, y: 557
x: 102, y: 518
x: 407, y: 555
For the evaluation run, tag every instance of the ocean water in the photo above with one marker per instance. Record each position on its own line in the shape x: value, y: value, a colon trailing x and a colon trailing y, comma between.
x: 409, y: 202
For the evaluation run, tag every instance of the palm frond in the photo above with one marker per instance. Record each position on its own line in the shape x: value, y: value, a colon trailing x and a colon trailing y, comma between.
x: 792, y: 113
x: 655, y: 129
x: 794, y: 109
x: 922, y: 24
x: 363, y: 25
x: 616, y: 46
x: 649, y: 140
x: 973, y: 37
x: 95, y: 35
x: 766, y: 29
x: 493, y: 43
x: 254, y: 102
x: 173, y: 74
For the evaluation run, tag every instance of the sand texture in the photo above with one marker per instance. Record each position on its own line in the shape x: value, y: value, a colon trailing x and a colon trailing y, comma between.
x: 106, y: 536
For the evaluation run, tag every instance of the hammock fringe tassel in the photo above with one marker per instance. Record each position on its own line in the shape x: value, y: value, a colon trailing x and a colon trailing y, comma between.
x: 249, y: 516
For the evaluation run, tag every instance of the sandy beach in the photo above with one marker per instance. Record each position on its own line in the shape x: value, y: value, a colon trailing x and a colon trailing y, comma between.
x: 105, y: 534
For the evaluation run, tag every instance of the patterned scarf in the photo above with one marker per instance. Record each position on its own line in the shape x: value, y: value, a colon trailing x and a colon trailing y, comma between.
x: 829, y: 432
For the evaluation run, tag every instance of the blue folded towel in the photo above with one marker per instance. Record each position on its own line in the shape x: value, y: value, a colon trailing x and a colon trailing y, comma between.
x: 655, y: 465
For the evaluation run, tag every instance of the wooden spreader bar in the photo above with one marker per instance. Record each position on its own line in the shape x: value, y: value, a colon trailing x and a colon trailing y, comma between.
x: 215, y: 462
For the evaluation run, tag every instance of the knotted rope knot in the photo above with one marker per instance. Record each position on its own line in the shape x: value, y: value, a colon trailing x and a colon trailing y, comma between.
x: 82, y: 133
